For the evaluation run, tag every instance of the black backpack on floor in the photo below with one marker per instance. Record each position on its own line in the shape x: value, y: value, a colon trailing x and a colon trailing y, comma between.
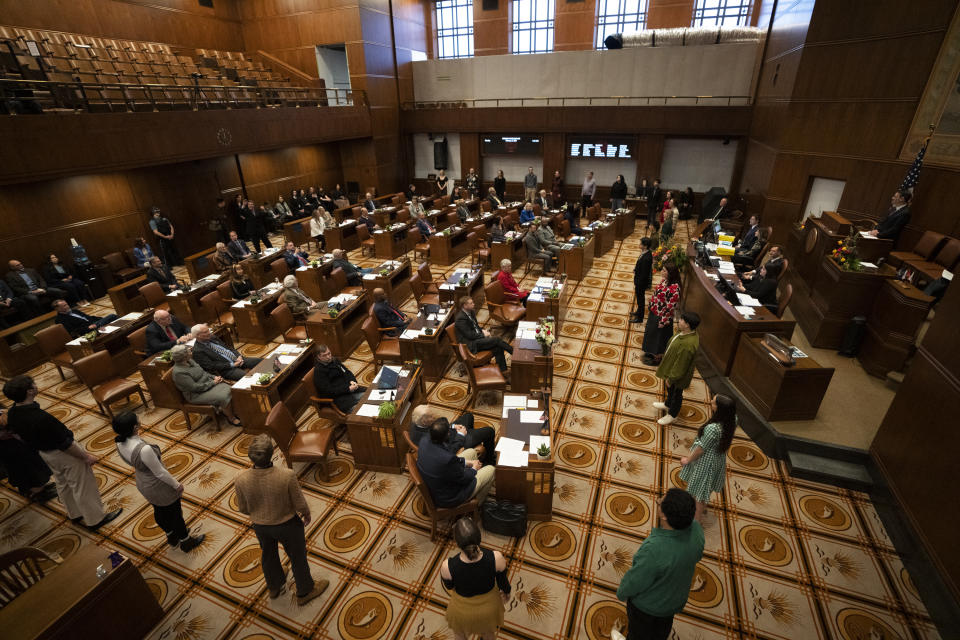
x: 504, y: 518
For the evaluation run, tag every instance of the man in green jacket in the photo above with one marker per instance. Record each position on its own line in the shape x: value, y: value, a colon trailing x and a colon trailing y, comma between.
x: 656, y: 586
x: 677, y: 365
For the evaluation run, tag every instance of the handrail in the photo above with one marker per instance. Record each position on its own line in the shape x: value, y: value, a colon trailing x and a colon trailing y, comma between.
x: 580, y: 101
x: 18, y: 96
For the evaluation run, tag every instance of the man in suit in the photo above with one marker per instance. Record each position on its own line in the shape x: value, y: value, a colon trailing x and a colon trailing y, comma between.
x: 493, y: 199
x: 218, y: 359
x: 774, y: 257
x: 354, y: 274
x: 8, y: 301
x: 333, y: 380
x: 425, y: 228
x: 387, y: 314
x: 472, y: 183
x: 460, y: 435
x: 463, y: 212
x: 572, y: 216
x: 721, y: 211
x: 897, y: 218
x: 654, y: 203
x: 542, y: 200
x: 237, y: 248
x: 535, y: 250
x: 77, y: 322
x: 451, y: 479
x: 411, y: 191
x: 257, y: 226
x: 642, y: 277
x: 475, y: 338
x: 161, y: 274
x: 31, y: 288
x: 751, y: 233
x: 369, y: 204
x: 363, y: 217
x: 165, y: 332
x: 547, y: 238
x: 294, y: 258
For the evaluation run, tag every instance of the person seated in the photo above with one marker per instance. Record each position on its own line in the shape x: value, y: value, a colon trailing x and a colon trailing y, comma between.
x: 745, y: 257
x: 13, y: 310
x: 326, y: 202
x: 387, y: 314
x: 282, y: 210
x: 493, y: 199
x: 512, y: 292
x: 165, y: 332
x: 200, y: 387
x: 217, y: 358
x: 527, y: 214
x: 416, y: 209
x: 774, y: 256
x: 463, y: 212
x: 764, y: 287
x: 240, y: 285
x: 451, y: 479
x: 411, y: 192
x: 28, y: 285
x: 425, y: 228
x: 542, y: 200
x: 748, y: 237
x: 77, y: 322
x: 572, y: 216
x: 496, y: 230
x: 364, y: 218
x: 333, y: 380
x: 461, y: 436
x: 58, y: 274
x: 354, y: 274
x: 237, y: 247
x: 897, y: 218
x: 536, y: 250
x: 294, y: 258
x: 161, y: 274
x: 142, y: 252
x: 548, y: 240
x: 222, y: 260
x: 369, y: 204
x: 476, y: 338
x: 300, y: 303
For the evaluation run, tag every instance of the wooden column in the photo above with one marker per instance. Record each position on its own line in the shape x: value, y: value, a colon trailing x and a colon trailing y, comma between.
x: 491, y: 29
x: 668, y: 14
x: 574, y: 25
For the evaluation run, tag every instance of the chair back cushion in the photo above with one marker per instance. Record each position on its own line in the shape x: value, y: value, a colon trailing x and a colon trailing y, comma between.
x: 370, y: 332
x: 452, y: 335
x: 279, y: 269
x: 225, y: 290
x: 94, y: 369
x: 282, y: 317
x: 452, y: 218
x: 424, y: 272
x: 52, y: 340
x: 363, y: 233
x: 417, y: 285
x: 212, y: 303
x: 174, y: 392
x: 494, y: 291
x: 420, y: 484
x: 784, y: 299
x: 928, y: 244
x: 138, y: 339
x: 115, y: 261
x: 949, y: 255
x: 153, y: 294
x: 131, y: 258
x: 281, y: 426
x: 339, y: 279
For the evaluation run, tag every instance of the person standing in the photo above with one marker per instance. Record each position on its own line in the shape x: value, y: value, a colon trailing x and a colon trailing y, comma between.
x: 642, y: 277
x: 678, y: 364
x: 659, y: 326
x: 500, y: 186
x: 472, y: 183
x: 556, y: 189
x: 478, y: 585
x: 618, y: 193
x: 272, y: 497
x: 529, y: 185
x: 26, y: 470
x: 256, y: 227
x: 69, y: 462
x: 654, y: 202
x: 218, y: 222
x: 657, y: 584
x: 588, y: 190
x: 163, y: 229
x: 154, y: 482
x: 442, y: 181
x: 705, y: 466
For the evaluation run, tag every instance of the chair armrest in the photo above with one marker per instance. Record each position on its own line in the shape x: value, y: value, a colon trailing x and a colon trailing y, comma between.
x: 326, y: 403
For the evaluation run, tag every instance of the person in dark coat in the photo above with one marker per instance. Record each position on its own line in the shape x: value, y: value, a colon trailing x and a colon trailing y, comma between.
x: 642, y: 278
x: 217, y: 358
x: 333, y: 380
x: 461, y: 435
x: 764, y: 287
x: 354, y: 273
x: 450, y: 479
x: 26, y: 470
x: 654, y: 204
x: 238, y: 248
x: 477, y: 339
x: 897, y: 218
x: 387, y: 314
x: 256, y: 227
x: 618, y: 193
x: 165, y: 332
x: 13, y: 310
x: 161, y: 274
x: 59, y: 275
x: 31, y: 288
x: 77, y: 322
x: 295, y: 259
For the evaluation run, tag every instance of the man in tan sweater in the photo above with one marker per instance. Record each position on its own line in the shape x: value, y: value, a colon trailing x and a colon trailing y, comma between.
x: 272, y: 498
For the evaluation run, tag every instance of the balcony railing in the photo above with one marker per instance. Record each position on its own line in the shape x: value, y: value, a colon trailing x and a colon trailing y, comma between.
x: 587, y: 101
x: 45, y: 96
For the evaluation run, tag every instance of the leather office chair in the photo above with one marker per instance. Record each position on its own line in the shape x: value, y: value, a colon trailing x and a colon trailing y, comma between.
x: 508, y: 314
x: 470, y: 507
x: 480, y: 230
x: 784, y: 299
x: 403, y: 215
x: 413, y: 447
x: 426, y: 277
x: 20, y: 569
x: 480, y: 357
x: 186, y: 408
x: 340, y: 282
x: 420, y: 292
x: 53, y: 343
x: 422, y: 247
x: 927, y: 247
x: 213, y: 304
x: 279, y: 269
x: 484, y: 206
x: 452, y: 219
x: 479, y: 251
x: 300, y: 446
x: 287, y: 325
x: 326, y: 408
x: 121, y: 269
x: 155, y: 297
x: 783, y: 271
x: 947, y: 258
x: 383, y: 348
x: 138, y: 340
x: 366, y: 241
x: 483, y: 377
x: 225, y: 289
x: 96, y: 371
x: 564, y: 231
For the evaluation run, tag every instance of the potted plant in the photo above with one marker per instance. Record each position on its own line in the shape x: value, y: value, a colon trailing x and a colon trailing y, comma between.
x: 314, y: 263
x: 384, y: 272
x: 166, y: 356
x: 845, y: 255
x: 90, y: 336
x: 332, y: 312
x: 387, y: 410
x: 543, y: 452
x: 264, y: 378
x: 554, y: 292
x: 463, y: 280
x: 545, y: 336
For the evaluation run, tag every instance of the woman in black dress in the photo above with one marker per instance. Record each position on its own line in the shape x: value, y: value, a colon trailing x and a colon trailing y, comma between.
x: 59, y: 275
x: 240, y: 284
x: 442, y: 183
x: 500, y: 185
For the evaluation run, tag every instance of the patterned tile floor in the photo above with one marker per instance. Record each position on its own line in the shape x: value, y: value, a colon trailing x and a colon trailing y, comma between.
x: 784, y: 558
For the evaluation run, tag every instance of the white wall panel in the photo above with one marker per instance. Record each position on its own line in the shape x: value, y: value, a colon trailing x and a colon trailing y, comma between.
x: 700, y: 163
x: 514, y: 167
x: 604, y: 171
x: 824, y: 196
x: 423, y: 155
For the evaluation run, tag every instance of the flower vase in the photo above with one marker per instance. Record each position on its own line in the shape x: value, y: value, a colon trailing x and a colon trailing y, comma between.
x: 544, y: 348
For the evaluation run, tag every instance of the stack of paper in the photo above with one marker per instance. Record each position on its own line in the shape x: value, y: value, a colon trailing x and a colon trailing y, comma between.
x: 744, y: 311
x: 175, y: 292
x: 526, y: 324
x: 531, y: 417
x: 512, y: 453
x: 726, y: 267
x: 410, y: 334
x: 240, y: 304
x: 369, y: 411
x: 130, y: 316
x: 287, y: 359
x: 244, y: 383
x: 286, y: 348
x: 535, y: 297
x: 447, y: 287
x: 369, y: 276
x: 748, y: 300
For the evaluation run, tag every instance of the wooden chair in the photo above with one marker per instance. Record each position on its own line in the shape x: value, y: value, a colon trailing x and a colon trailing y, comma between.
x: 290, y: 329
x: 413, y: 448
x: 420, y: 292
x: 340, y: 282
x: 426, y: 277
x: 300, y: 446
x: 138, y: 340
x: 452, y: 219
x: 927, y: 247
x: 20, y: 569
x: 326, y: 408
x: 366, y: 240
x: 784, y: 299
x: 422, y: 247
x: 479, y: 251
x: 481, y: 357
x: 279, y: 269
x: 215, y: 307
x: 508, y: 314
x: 225, y: 289
x: 154, y: 295
x: 186, y: 408
x: 96, y: 371
x: 485, y: 206
x: 383, y: 348
x: 483, y: 377
x: 53, y: 343
x: 783, y: 271
x: 120, y: 268
x: 470, y: 507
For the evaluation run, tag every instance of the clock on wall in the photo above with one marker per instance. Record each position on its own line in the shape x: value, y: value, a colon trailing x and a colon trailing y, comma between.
x: 224, y: 137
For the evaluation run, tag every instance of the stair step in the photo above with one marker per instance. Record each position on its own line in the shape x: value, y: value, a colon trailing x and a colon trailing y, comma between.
x: 850, y: 475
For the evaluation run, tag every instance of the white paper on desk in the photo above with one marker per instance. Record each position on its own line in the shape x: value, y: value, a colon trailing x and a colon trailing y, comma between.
x: 410, y: 334
x: 531, y: 416
x: 287, y: 348
x: 244, y: 383
x: 514, y: 401
x: 369, y: 276
x: 527, y: 334
x: 514, y: 458
x: 533, y: 403
x: 447, y: 287
x: 130, y: 316
x: 535, y: 297
x: 713, y: 276
x: 536, y: 441
x: 711, y: 246
x: 545, y: 281
x: 509, y: 444
x: 744, y: 311
x: 947, y: 275
x: 175, y: 292
x: 526, y: 324
x: 748, y: 300
x: 347, y: 223
x: 369, y: 411
x: 864, y: 234
x: 432, y: 317
x: 726, y: 267
x: 386, y: 394
x: 868, y: 265
x: 303, y: 268
x: 75, y: 342
x: 287, y: 359
x: 109, y: 329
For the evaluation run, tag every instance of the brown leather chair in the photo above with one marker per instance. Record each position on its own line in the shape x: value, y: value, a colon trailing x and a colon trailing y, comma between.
x: 422, y: 247
x: 452, y: 219
x: 483, y: 377
x: 366, y: 241
x: 926, y: 249
x: 413, y: 448
x: 783, y: 271
x: 326, y: 408
x: 784, y: 299
x: 53, y: 343
x: 564, y: 231
x: 138, y: 340
x: 284, y: 321
x: 947, y: 258
x: 96, y: 371
x: 508, y: 314
x: 225, y: 289
x: 484, y: 206
x: 300, y: 446
x: 216, y: 309
x: 420, y: 292
x: 20, y: 569
x: 186, y: 408
x: 154, y: 295
x: 120, y: 268
x: 470, y: 507
x: 403, y: 214
x: 479, y: 251
x: 383, y: 348
x: 340, y: 282
x: 279, y: 269
x: 480, y: 357
x: 426, y: 277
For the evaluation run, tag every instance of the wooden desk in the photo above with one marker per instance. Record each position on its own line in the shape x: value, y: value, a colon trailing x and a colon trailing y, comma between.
x: 624, y: 222
x: 379, y: 445
x: 115, y: 342
x: 603, y: 235
x: 512, y: 250
x: 720, y: 324
x: 898, y: 311
x: 199, y: 264
x: 316, y: 281
x: 343, y: 332
x: 433, y: 351
x: 775, y: 391
x: 343, y: 236
x: 253, y: 320
x: 297, y: 231
x: 19, y: 350
x: 385, y: 217
x: 253, y: 404
x: 451, y: 291
x: 576, y: 261
x: 556, y: 307
x: 257, y: 267
x: 153, y: 368
x: 389, y: 244
x: 186, y: 305
x: 125, y: 297
x: 446, y: 249
x: 396, y: 283
x: 531, y: 485
x: 530, y: 370
x: 807, y: 247
x: 72, y: 602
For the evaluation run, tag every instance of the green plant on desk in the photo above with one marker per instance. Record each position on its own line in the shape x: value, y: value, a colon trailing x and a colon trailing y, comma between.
x: 463, y: 281
x: 254, y: 299
x: 314, y: 263
x: 543, y: 452
x: 90, y: 336
x: 384, y: 272
x: 264, y: 378
x: 333, y: 313
x: 387, y: 410
x: 581, y: 242
x: 166, y: 356
x: 554, y: 293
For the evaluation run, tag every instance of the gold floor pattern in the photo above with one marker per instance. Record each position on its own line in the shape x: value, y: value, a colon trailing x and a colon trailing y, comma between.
x: 784, y: 559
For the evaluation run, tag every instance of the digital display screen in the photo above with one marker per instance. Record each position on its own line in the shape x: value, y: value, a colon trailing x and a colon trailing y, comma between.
x: 493, y: 145
x: 601, y: 148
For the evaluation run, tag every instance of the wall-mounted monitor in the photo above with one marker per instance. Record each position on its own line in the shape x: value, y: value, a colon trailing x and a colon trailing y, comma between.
x: 600, y: 147
x: 495, y: 145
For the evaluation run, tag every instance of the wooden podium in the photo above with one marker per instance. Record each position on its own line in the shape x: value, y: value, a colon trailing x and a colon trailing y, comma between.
x: 898, y: 311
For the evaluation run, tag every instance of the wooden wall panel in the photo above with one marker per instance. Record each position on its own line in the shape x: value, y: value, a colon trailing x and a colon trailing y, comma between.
x: 575, y: 25
x: 491, y: 29
x: 668, y: 14
x: 470, y: 155
x: 268, y: 174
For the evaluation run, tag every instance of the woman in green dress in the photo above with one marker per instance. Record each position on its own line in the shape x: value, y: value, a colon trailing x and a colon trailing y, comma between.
x: 705, y: 466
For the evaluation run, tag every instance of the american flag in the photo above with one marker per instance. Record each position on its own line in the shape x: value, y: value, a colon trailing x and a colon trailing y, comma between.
x: 913, y: 175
